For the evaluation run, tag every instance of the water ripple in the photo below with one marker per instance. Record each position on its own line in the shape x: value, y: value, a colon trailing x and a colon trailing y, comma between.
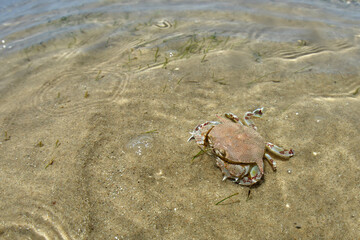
x: 74, y: 91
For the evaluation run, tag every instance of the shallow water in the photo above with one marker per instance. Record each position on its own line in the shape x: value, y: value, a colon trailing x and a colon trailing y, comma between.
x: 97, y: 101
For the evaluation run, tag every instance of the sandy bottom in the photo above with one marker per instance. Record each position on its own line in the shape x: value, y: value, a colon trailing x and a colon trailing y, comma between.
x: 94, y: 146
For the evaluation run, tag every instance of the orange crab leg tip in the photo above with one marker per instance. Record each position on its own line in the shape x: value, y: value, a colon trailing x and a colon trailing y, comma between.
x: 259, y: 111
x: 287, y: 153
x: 279, y: 150
x: 291, y: 152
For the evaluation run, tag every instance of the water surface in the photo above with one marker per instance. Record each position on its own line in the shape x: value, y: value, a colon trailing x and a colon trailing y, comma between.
x: 97, y: 100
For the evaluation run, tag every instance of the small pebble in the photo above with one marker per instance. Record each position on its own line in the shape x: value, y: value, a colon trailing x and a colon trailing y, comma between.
x: 289, y: 171
x: 298, y: 226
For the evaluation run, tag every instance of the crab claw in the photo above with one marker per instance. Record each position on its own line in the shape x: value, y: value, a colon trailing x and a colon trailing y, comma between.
x: 191, y: 137
x: 279, y: 150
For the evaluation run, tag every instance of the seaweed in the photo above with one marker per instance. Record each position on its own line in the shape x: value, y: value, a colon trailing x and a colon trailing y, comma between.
x: 164, y: 88
x: 203, y: 58
x: 98, y: 76
x: 263, y: 76
x: 218, y: 80
x: 6, y: 136
x: 302, y: 43
x: 151, y: 131
x: 303, y: 69
x: 178, y: 82
x: 257, y: 55
x: 248, y: 195
x: 156, y: 54
x: 165, y: 63
x: 175, y: 24
x: 226, y: 198
x: 130, y: 58
x: 51, y: 162
x: 226, y: 40
x: 195, y: 45
x: 71, y: 44
x: 356, y: 92
x: 198, y: 155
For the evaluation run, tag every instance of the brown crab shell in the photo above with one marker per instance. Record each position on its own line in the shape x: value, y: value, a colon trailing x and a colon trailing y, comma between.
x: 238, y: 144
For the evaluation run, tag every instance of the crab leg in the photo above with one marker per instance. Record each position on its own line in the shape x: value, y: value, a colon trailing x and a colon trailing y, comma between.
x: 256, y: 113
x: 254, y: 176
x: 279, y: 150
x: 233, y: 117
x: 201, y: 131
x: 271, y: 161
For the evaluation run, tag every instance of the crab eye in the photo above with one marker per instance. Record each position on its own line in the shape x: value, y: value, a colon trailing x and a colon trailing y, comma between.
x: 220, y: 152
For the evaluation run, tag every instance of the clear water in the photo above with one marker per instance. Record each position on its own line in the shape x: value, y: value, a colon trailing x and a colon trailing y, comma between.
x: 97, y: 99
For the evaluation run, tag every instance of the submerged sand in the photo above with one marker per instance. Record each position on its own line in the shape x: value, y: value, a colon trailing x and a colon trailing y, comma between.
x: 93, y: 141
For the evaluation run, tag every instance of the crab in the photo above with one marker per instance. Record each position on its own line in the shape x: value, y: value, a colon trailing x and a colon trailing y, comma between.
x: 239, y: 149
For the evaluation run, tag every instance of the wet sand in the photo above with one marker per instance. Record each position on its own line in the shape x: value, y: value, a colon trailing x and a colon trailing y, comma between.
x: 93, y: 142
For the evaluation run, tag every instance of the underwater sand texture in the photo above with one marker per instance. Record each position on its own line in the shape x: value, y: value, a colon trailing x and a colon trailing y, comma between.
x: 93, y: 135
